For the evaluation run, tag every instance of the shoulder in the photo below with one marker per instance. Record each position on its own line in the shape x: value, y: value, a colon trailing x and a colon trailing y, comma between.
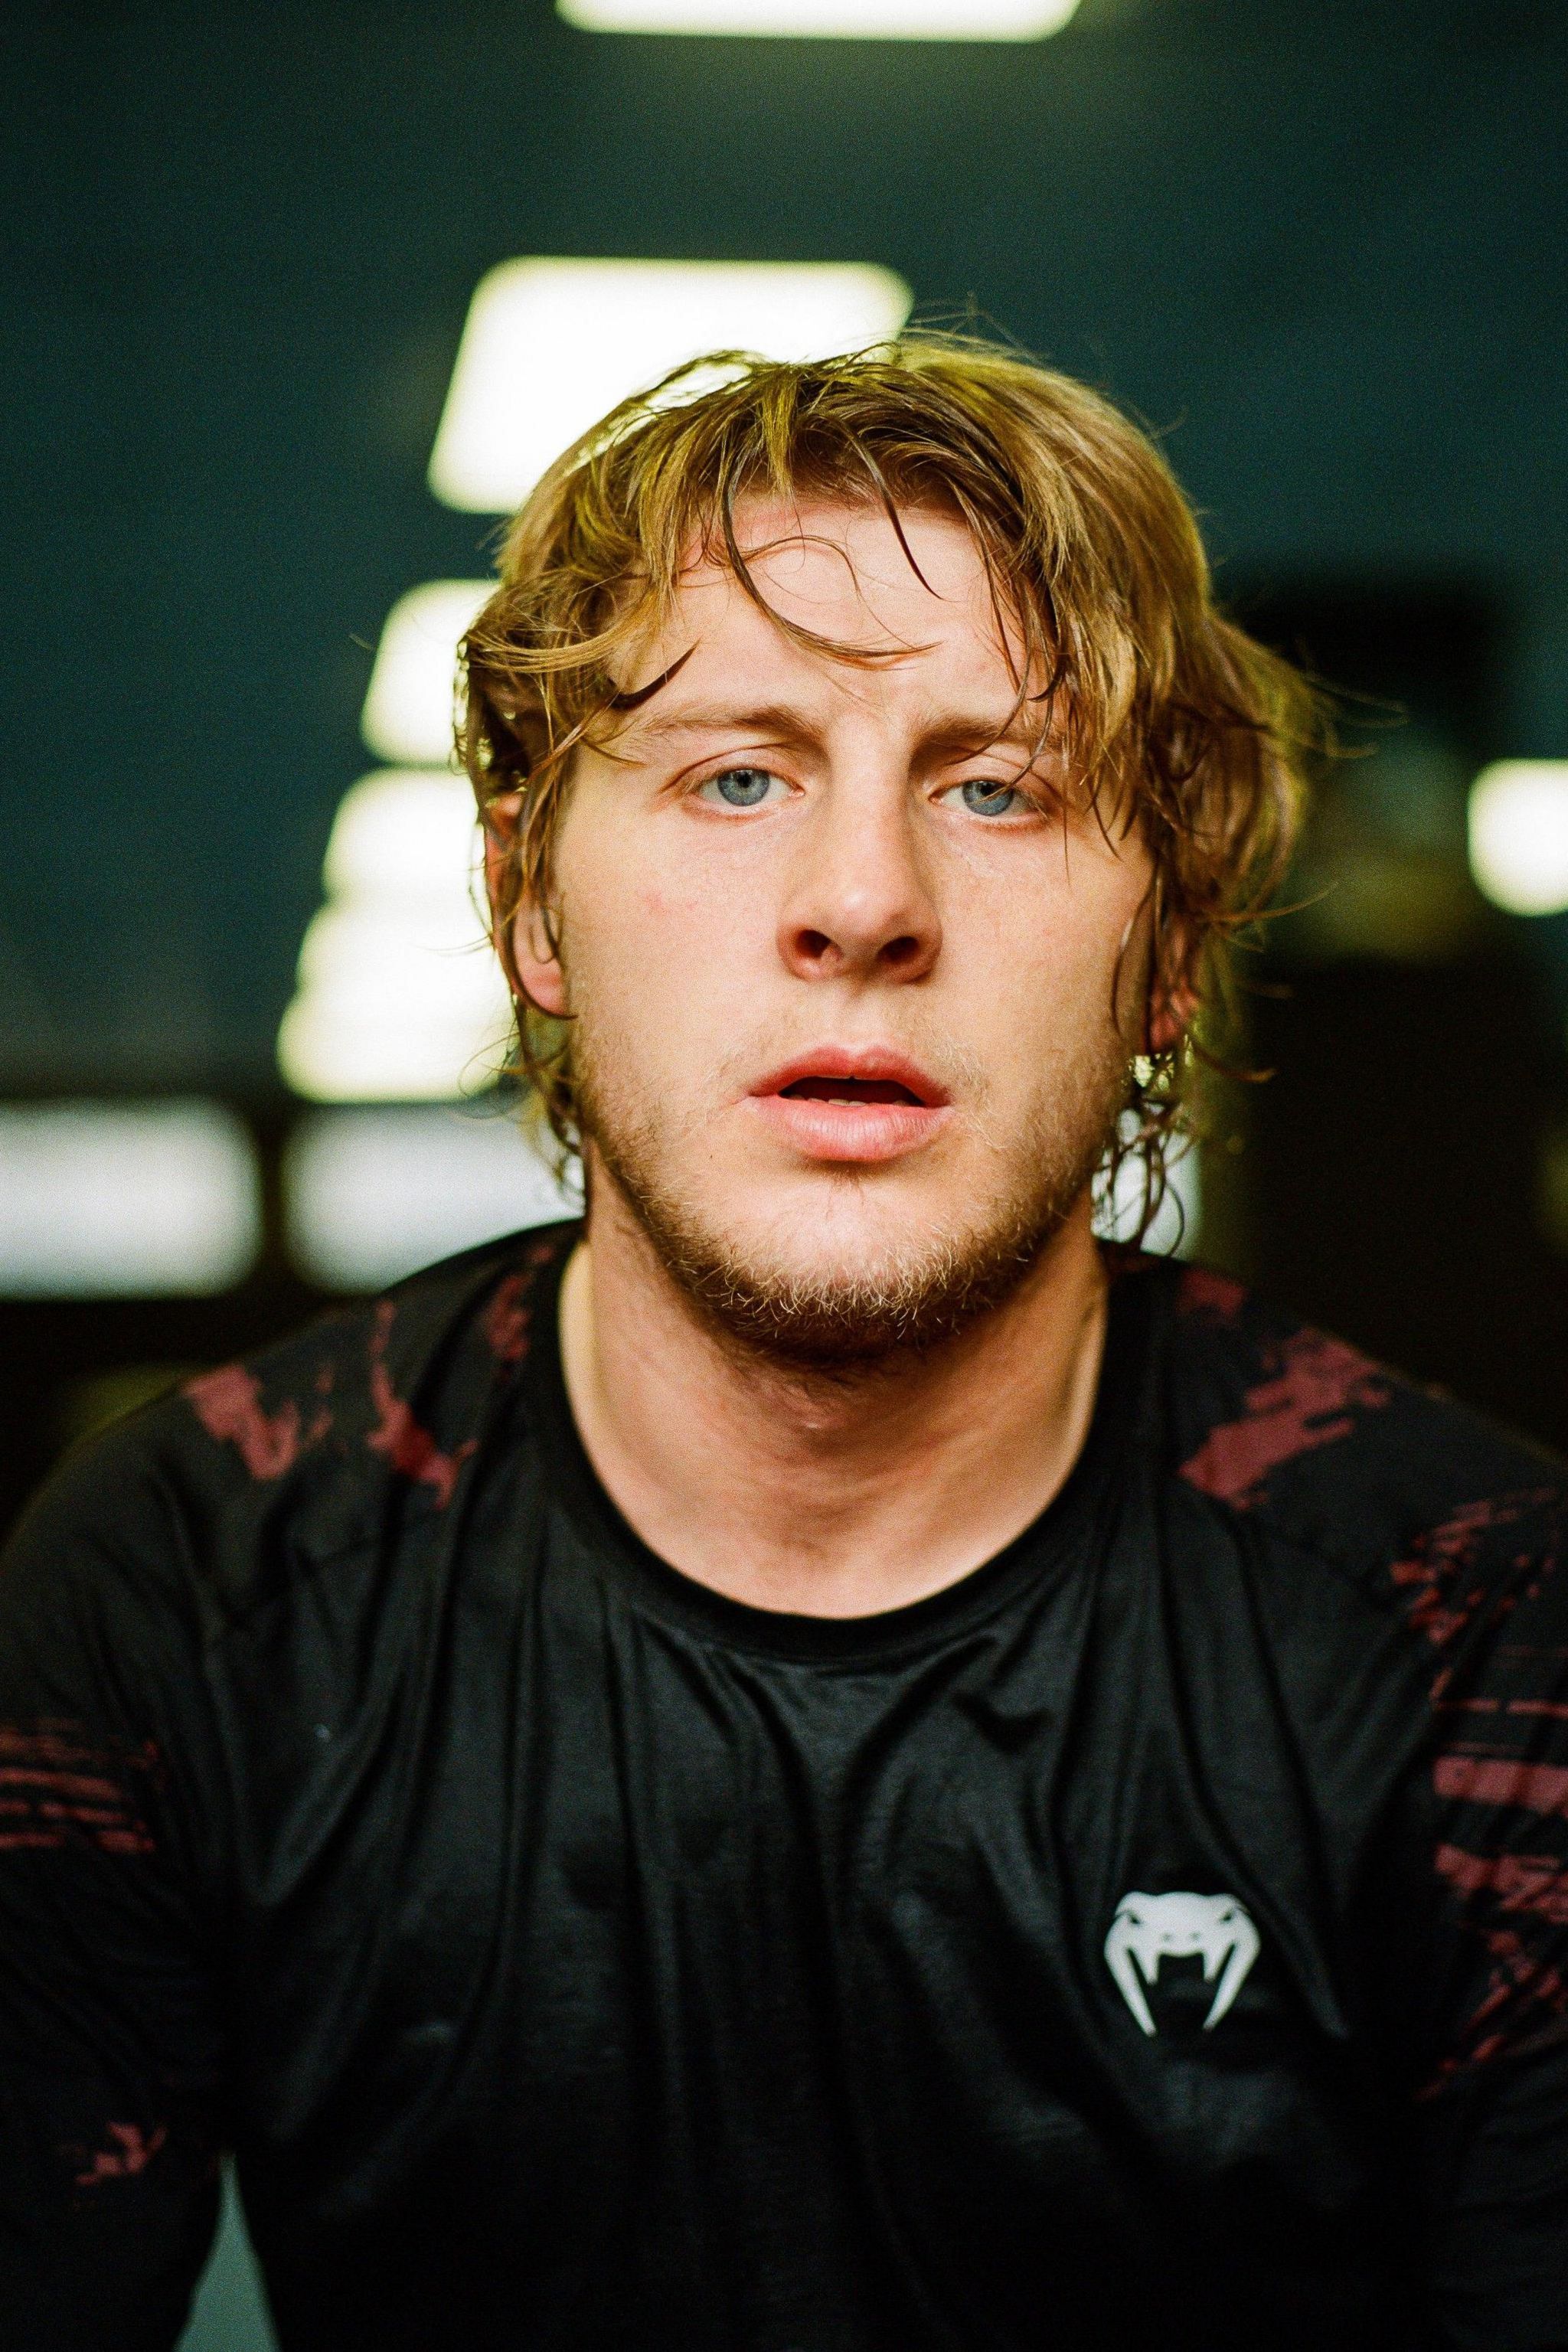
x: 399, y: 1388
x: 1426, y: 1504
x: 299, y: 1448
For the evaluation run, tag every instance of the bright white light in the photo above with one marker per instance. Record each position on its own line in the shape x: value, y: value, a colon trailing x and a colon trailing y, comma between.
x: 1174, y: 1232
x: 409, y: 706
x: 851, y: 20
x: 1519, y: 835
x: 406, y: 833
x: 400, y: 997
x: 125, y: 1200
x: 370, y: 1195
x: 551, y: 346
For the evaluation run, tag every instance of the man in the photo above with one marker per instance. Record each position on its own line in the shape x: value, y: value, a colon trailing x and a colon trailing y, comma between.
x: 822, y: 1764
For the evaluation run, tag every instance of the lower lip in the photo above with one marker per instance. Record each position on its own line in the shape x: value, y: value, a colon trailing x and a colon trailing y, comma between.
x: 850, y: 1131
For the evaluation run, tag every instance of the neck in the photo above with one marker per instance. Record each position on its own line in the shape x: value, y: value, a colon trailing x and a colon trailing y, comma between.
x: 835, y: 1495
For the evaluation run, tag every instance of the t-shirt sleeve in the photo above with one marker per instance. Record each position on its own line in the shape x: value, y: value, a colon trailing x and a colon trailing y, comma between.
x: 1490, y: 1598
x: 111, y: 2063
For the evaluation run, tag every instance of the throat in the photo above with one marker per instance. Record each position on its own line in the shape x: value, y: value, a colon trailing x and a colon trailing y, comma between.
x: 804, y: 1476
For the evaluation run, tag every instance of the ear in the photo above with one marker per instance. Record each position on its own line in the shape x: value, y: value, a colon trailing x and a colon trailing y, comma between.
x: 534, y: 959
x: 1171, y: 1016
x: 1158, y: 992
x: 1174, y: 994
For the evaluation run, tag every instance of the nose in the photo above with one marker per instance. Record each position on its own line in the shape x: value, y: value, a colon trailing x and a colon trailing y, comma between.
x: 860, y: 905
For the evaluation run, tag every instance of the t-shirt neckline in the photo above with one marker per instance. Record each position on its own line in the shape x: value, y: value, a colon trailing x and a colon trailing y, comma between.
x: 1050, y: 1543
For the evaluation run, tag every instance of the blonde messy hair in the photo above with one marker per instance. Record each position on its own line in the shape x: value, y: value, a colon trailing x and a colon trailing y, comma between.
x: 1172, y: 718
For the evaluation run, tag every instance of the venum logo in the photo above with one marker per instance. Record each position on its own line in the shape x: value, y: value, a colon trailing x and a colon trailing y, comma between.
x: 1149, y: 1928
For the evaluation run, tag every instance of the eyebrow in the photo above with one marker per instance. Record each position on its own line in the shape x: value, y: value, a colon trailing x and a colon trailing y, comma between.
x: 723, y: 719
x: 780, y: 722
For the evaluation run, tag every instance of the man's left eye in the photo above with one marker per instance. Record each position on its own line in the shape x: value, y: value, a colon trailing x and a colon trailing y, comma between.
x: 981, y: 797
x: 740, y: 788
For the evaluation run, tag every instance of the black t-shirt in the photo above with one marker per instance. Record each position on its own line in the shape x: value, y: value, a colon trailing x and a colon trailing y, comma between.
x: 1159, y: 1938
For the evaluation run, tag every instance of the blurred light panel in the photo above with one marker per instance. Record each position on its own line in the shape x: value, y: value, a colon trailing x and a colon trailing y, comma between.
x: 125, y: 1200
x: 400, y: 997
x: 551, y: 346
x: 408, y: 835
x: 850, y: 20
x: 1519, y: 835
x: 408, y: 710
x: 1174, y: 1230
x: 371, y: 1195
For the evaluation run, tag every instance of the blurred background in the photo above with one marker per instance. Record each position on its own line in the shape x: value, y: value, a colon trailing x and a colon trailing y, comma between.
x: 299, y: 299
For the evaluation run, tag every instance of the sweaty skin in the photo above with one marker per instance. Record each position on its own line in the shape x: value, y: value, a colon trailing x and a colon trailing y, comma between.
x: 845, y: 979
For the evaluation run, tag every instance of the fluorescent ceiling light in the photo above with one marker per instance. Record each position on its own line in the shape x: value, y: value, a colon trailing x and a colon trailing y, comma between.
x: 125, y: 1200
x: 409, y: 834
x: 550, y: 347
x: 850, y: 20
x: 408, y: 710
x: 370, y: 1195
x: 1519, y: 835
x: 400, y: 997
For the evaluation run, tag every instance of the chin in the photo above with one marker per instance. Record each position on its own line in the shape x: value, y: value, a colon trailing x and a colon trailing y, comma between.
x: 849, y: 1277
x: 846, y: 1234
x: 835, y: 1267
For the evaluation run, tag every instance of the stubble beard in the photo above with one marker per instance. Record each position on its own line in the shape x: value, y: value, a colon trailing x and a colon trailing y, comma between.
x: 842, y: 1321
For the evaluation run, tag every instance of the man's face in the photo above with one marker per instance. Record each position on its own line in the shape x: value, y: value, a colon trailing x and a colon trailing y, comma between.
x: 841, y: 963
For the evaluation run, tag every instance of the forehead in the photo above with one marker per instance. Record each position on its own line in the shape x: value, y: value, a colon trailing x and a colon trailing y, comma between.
x: 914, y: 596
x: 817, y: 548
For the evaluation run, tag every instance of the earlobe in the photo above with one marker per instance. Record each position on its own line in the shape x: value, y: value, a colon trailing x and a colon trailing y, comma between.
x: 1174, y: 994
x: 1164, y: 983
x: 534, y: 959
x: 1170, y: 1017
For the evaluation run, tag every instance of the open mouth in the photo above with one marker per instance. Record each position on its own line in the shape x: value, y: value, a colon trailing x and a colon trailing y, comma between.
x: 838, y: 1103
x: 851, y: 1092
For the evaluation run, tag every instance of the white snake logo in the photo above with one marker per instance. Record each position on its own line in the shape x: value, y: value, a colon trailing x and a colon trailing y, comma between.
x: 1148, y: 1927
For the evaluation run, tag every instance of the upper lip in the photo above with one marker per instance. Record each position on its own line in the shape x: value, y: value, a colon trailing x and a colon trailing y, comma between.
x: 855, y: 1062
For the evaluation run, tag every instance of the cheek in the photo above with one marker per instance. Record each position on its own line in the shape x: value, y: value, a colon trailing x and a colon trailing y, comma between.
x: 657, y: 965
x: 1051, y: 940
x: 677, y: 922
x: 1040, y: 968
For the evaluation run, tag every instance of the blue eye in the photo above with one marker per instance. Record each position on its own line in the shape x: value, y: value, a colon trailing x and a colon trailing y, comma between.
x: 742, y: 788
x: 983, y: 799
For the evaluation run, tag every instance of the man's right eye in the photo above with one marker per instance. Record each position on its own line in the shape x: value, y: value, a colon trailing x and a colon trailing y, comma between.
x: 741, y: 788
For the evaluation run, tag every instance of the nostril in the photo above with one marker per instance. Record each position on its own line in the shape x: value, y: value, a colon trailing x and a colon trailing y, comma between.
x: 815, y: 944
x: 901, y: 951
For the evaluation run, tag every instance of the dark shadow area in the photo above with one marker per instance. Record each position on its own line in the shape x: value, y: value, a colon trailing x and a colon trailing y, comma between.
x: 1392, y: 1186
